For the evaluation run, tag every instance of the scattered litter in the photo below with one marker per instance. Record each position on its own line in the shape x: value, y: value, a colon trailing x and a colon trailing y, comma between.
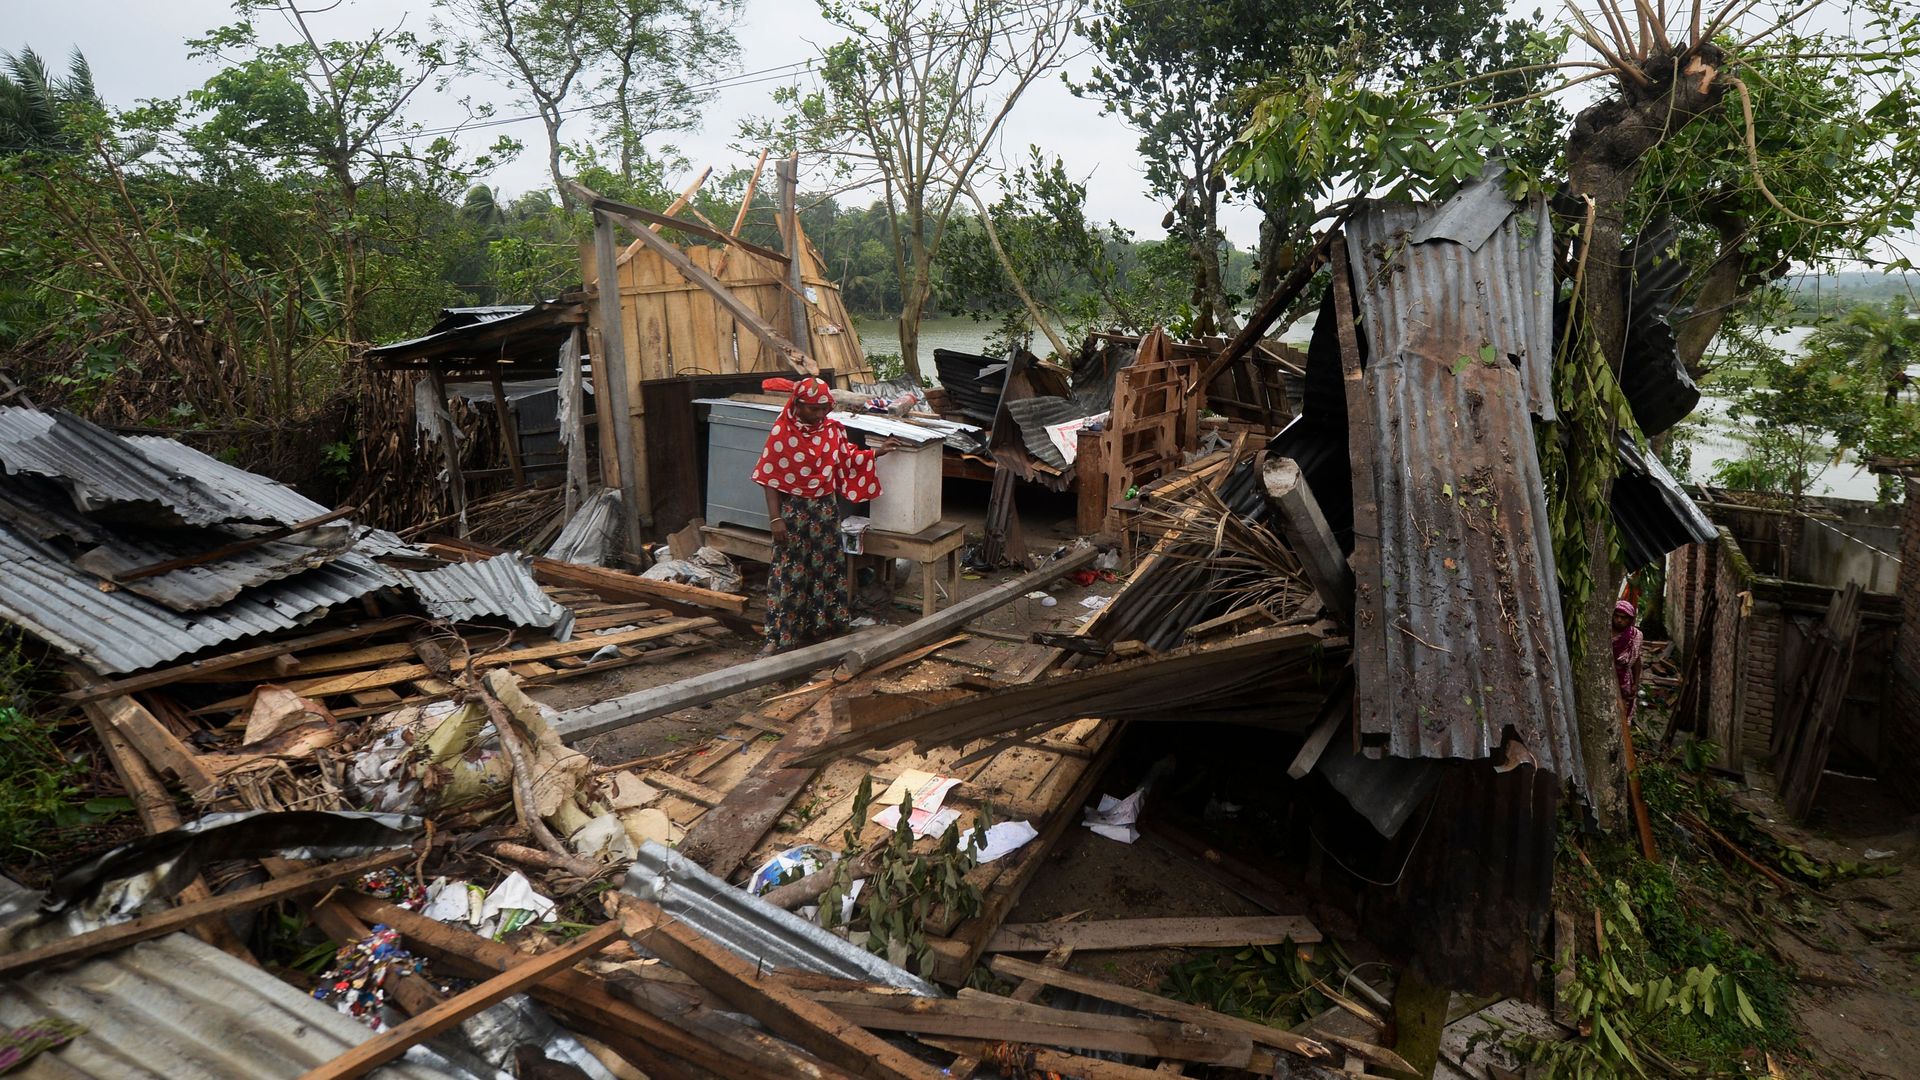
x: 1878, y: 853
x: 1001, y: 838
x: 708, y: 568
x: 1114, y: 818
x: 356, y: 984
x: 789, y: 866
x: 928, y: 791
x: 604, y: 652
x: 865, y: 620
x: 1042, y: 598
x: 1094, y: 603
x: 392, y: 884
x: 512, y: 905
x: 453, y: 901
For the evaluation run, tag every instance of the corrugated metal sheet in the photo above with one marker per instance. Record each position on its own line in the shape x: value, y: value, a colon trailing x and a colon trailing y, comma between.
x: 1460, y: 638
x: 499, y: 587
x: 1034, y: 415
x: 117, y: 631
x: 1653, y: 512
x: 1652, y: 378
x: 106, y: 474
x: 269, y: 500
x: 176, y: 1008
x: 752, y: 928
x: 972, y: 382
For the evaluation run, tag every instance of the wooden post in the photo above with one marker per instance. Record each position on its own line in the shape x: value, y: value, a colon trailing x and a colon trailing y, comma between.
x: 610, y: 386
x: 1090, y: 474
x: 509, y: 431
x: 1307, y: 531
x: 789, y: 174
x: 573, y: 425
x: 449, y: 446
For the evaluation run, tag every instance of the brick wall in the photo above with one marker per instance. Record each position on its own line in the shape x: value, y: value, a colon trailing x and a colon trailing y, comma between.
x: 1761, y: 676
x: 1900, y: 745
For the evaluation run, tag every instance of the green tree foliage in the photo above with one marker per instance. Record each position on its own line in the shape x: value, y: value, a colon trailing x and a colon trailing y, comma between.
x: 1189, y: 76
x: 1849, y: 391
x: 638, y: 63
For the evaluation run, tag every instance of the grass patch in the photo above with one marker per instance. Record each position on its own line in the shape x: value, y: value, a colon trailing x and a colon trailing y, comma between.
x: 46, y: 806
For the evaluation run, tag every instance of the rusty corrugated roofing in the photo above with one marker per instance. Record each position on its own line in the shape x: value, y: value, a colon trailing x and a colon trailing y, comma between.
x: 1460, y: 638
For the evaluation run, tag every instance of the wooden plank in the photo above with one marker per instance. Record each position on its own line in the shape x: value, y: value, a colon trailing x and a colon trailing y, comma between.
x: 787, y: 173
x: 723, y: 838
x: 165, y: 753
x: 509, y: 431
x: 421, y: 674
x: 158, y: 814
x: 1369, y: 642
x: 1040, y: 1060
x: 1178, y: 933
x: 120, y: 935
x: 983, y: 1016
x: 98, y: 688
x: 785, y: 1013
x: 615, y: 713
x: 394, y: 1042
x: 573, y: 426
x: 1154, y: 1005
x: 686, y: 789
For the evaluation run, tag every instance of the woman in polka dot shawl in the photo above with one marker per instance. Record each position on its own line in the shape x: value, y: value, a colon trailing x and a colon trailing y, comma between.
x: 807, y: 463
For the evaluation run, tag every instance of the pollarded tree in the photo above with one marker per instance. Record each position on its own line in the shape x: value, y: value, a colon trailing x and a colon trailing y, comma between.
x: 911, y: 102
x: 641, y: 61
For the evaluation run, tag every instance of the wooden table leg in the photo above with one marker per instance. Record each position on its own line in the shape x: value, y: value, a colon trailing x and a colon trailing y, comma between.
x: 953, y: 576
x: 927, y: 596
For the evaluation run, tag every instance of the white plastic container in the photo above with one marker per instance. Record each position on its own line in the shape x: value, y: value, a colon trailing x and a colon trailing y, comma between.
x: 909, y: 500
x: 853, y: 534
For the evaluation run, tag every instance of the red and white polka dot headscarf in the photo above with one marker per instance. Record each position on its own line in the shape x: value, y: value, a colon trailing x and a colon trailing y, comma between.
x: 817, y: 460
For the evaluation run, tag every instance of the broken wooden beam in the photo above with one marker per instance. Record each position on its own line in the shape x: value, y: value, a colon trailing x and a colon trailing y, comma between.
x: 1185, y: 933
x: 613, y: 713
x: 897, y: 640
x: 394, y: 1042
x: 785, y: 1013
x: 584, y: 1001
x: 1155, y: 1005
x: 120, y: 935
x: 1308, y: 534
x: 984, y: 1016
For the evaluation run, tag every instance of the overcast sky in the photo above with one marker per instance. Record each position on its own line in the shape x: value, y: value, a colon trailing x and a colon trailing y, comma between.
x: 138, y: 50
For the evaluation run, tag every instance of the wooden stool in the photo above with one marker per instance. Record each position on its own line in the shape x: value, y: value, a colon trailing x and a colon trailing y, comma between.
x: 940, y: 541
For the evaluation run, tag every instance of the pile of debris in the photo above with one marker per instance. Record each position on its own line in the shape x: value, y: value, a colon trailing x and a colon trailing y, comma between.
x: 799, y: 891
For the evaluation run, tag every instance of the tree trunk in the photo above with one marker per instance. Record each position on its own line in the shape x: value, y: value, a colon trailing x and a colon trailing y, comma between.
x: 1604, y: 155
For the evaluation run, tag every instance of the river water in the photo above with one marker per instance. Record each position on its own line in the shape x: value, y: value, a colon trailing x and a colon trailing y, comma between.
x: 1714, y: 438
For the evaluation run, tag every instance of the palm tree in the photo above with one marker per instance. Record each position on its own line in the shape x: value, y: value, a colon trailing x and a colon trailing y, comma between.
x: 1880, y: 342
x: 36, y: 107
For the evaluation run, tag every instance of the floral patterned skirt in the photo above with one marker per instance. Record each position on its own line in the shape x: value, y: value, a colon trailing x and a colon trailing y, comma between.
x: 807, y: 588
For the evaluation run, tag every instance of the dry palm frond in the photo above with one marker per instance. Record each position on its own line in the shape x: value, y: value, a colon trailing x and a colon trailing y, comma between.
x: 1248, y: 561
